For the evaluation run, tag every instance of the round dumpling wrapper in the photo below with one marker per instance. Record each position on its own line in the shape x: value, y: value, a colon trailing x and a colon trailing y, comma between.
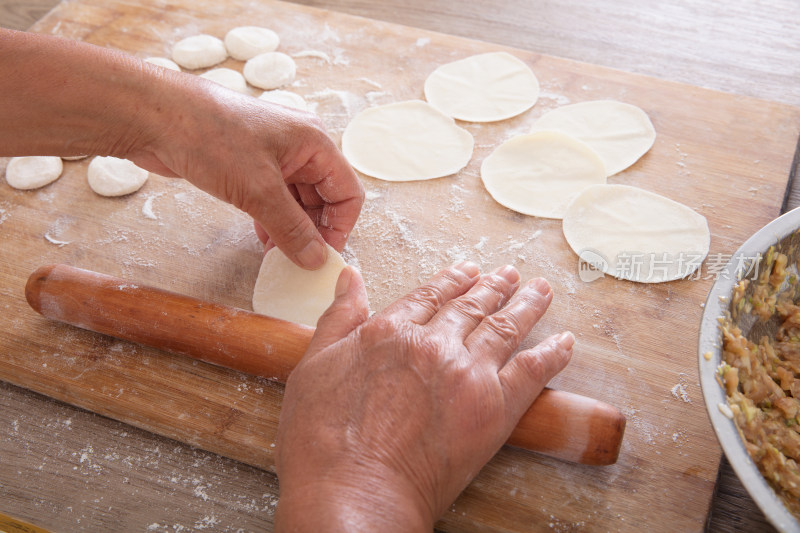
x: 286, y: 291
x: 539, y: 173
x: 634, y: 234
x: 620, y: 133
x: 406, y: 141
x: 483, y: 88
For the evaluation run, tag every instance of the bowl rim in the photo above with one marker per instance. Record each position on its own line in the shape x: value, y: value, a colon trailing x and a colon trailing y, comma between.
x: 710, y: 340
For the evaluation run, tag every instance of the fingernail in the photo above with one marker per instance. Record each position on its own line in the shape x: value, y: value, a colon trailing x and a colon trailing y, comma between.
x: 313, y: 255
x: 566, y: 340
x: 540, y: 285
x: 509, y: 273
x: 343, y: 283
x: 469, y: 268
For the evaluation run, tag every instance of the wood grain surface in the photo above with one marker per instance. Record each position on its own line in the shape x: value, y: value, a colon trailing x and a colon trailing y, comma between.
x: 84, y: 507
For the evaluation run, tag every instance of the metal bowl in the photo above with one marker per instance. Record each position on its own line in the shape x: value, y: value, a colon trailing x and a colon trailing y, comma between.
x: 777, y: 231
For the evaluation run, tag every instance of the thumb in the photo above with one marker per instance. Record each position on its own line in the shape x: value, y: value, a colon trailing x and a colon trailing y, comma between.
x: 349, y: 310
x: 291, y: 229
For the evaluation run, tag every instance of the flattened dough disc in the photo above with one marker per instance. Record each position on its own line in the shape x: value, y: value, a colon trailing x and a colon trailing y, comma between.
x: 286, y: 291
x: 32, y: 172
x: 634, y: 234
x: 246, y: 42
x: 539, y: 173
x: 112, y: 176
x: 199, y: 51
x: 270, y: 70
x: 483, y: 87
x: 406, y: 141
x: 620, y: 133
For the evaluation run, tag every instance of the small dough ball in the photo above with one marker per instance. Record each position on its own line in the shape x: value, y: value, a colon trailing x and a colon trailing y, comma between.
x: 74, y: 157
x: 270, y: 70
x: 199, y: 51
x: 406, y: 141
x: 227, y: 78
x: 483, y: 87
x: 246, y: 42
x: 164, y: 62
x: 111, y: 176
x: 286, y: 291
x: 539, y: 173
x: 285, y: 98
x: 33, y: 172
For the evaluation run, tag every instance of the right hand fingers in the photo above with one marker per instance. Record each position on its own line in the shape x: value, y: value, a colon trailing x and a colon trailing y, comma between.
x: 499, y: 334
x: 459, y: 317
x: 526, y: 374
x: 421, y: 304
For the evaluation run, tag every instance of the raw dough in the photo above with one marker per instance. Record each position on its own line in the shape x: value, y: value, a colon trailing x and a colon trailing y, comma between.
x: 73, y: 157
x: 406, y: 141
x: 620, y: 133
x: 539, y: 173
x: 286, y: 291
x: 111, y: 176
x: 483, y: 88
x: 246, y: 42
x: 270, y: 70
x: 164, y: 62
x: 227, y: 78
x: 199, y: 51
x: 33, y: 172
x: 285, y: 98
x: 635, y: 234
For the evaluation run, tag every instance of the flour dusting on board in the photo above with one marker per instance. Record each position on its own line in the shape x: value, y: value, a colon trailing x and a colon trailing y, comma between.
x: 679, y: 391
x: 316, y: 54
x: 4, y: 211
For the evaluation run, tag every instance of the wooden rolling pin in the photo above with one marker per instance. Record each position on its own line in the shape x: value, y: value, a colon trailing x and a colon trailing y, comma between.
x: 560, y: 424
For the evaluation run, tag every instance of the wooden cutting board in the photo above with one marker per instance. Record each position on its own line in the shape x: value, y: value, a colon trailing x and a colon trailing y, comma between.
x: 728, y: 157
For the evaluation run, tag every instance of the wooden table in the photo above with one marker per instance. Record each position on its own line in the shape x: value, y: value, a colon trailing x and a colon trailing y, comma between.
x: 96, y: 480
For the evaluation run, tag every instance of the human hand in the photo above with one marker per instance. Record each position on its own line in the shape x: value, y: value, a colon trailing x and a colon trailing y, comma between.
x: 387, y: 419
x: 276, y: 164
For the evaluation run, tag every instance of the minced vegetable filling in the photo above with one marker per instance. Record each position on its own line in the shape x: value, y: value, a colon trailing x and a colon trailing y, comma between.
x: 762, y: 380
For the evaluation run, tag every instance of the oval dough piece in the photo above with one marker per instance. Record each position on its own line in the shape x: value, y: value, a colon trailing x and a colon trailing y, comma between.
x: 620, y: 133
x: 111, y: 176
x: 635, y: 234
x: 32, y: 172
x: 199, y: 51
x: 246, y: 42
x: 483, y: 88
x: 286, y: 291
x: 406, y: 141
x: 74, y: 157
x: 227, y: 78
x: 538, y: 174
x: 270, y: 70
x: 164, y: 62
x: 285, y: 98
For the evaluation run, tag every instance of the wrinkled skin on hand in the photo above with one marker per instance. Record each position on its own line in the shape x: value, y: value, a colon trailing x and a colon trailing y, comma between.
x: 275, y: 163
x: 387, y: 419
